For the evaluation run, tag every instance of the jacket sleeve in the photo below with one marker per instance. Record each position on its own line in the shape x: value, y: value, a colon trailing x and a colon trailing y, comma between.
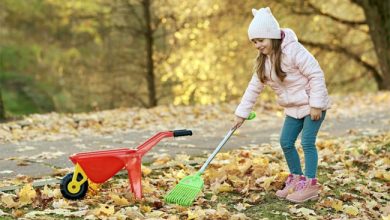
x: 249, y: 98
x: 310, y: 68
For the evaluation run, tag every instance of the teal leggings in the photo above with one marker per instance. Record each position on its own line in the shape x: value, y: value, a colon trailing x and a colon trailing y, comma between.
x: 291, y: 129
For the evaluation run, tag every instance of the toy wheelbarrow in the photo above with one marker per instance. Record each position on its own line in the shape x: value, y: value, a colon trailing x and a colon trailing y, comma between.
x: 99, y: 166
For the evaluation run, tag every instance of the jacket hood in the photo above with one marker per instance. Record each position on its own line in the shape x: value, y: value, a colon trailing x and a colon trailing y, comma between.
x: 289, y: 37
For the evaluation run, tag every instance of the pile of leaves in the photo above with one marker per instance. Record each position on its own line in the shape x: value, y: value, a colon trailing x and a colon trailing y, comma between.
x: 239, y: 184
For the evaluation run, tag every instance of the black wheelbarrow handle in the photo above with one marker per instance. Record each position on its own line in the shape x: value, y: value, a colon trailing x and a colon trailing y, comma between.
x: 178, y: 133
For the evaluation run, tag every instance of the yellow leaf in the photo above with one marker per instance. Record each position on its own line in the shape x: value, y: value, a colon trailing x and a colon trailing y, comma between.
x: 260, y: 161
x: 214, y: 198
x: 180, y: 175
x: 237, y: 181
x: 47, y: 192
x: 244, y: 167
x: 337, y: 205
x: 350, y: 210
x: 146, y: 170
x: 105, y: 210
x: 386, y: 176
x: 254, y: 198
x: 267, y: 182
x: 145, y: 208
x: 191, y: 215
x: 222, y: 212
x: 120, y: 201
x: 147, y: 188
x: 348, y: 163
x: 27, y: 194
x: 162, y: 159
x: 225, y: 187
x: 8, y: 201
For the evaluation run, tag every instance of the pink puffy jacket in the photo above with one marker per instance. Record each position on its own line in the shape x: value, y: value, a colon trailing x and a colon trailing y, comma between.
x: 303, y: 87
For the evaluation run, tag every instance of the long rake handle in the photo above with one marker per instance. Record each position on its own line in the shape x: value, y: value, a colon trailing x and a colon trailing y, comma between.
x: 211, y: 157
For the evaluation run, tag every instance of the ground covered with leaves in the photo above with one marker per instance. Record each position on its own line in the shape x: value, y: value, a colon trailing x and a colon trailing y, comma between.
x: 239, y: 184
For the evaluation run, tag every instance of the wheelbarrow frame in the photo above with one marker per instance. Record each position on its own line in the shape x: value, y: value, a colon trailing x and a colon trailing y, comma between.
x: 99, y: 166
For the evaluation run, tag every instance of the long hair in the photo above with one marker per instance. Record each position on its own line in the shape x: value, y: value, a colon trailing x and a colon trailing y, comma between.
x: 259, y: 67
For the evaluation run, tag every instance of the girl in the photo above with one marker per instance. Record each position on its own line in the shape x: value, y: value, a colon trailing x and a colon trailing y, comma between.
x: 295, y: 75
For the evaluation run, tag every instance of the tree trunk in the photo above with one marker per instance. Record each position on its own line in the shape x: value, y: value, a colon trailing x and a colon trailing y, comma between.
x: 2, y: 111
x: 149, y: 55
x: 378, y: 19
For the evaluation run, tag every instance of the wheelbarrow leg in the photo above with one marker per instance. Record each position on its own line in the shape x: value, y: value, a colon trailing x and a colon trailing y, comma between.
x: 133, y: 167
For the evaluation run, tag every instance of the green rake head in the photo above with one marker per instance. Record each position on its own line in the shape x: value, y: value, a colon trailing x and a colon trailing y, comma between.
x: 186, y: 191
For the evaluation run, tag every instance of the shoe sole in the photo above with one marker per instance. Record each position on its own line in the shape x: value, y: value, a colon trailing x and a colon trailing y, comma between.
x: 281, y: 198
x: 313, y: 198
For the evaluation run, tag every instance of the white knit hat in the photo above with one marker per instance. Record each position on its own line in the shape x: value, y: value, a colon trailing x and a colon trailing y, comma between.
x: 264, y: 25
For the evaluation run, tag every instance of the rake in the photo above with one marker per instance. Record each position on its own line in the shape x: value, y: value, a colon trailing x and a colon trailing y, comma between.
x: 188, y: 188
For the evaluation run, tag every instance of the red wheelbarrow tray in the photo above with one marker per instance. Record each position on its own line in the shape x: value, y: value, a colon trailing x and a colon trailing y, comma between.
x: 99, y: 166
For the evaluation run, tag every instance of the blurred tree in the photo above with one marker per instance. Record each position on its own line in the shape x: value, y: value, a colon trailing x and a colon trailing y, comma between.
x: 148, y: 34
x: 160, y: 24
x: 98, y: 54
x: 377, y: 17
x: 2, y: 112
x: 206, y: 64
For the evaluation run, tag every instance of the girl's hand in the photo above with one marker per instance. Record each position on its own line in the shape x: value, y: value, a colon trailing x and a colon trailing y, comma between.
x: 315, y: 113
x: 238, y: 121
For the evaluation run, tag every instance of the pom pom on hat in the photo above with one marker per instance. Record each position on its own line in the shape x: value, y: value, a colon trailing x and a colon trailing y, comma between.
x: 264, y: 25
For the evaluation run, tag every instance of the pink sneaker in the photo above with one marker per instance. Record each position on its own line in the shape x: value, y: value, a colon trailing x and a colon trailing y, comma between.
x: 291, y: 182
x: 306, y: 189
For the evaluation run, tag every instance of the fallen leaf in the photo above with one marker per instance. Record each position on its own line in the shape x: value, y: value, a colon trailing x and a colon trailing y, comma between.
x: 8, y: 200
x: 145, y: 208
x: 337, y: 205
x: 104, y: 209
x: 3, y: 213
x: 240, y: 216
x: 120, y: 201
x: 239, y: 207
x: 350, y: 210
x: 145, y: 170
x: 27, y: 194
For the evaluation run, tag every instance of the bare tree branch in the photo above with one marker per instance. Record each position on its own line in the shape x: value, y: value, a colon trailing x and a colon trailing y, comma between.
x: 314, y: 10
x: 345, y: 51
x: 343, y: 21
x: 352, y: 79
x: 357, y: 2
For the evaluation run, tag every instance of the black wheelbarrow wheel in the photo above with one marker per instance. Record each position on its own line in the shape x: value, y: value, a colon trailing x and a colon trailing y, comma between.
x: 70, y: 195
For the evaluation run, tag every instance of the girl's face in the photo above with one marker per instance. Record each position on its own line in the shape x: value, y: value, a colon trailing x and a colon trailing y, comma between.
x: 263, y: 45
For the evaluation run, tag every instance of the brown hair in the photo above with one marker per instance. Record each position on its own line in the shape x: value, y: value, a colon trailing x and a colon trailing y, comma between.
x: 259, y: 67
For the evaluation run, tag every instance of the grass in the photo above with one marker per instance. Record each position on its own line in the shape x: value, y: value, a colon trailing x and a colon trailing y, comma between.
x: 271, y: 207
x: 268, y: 207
